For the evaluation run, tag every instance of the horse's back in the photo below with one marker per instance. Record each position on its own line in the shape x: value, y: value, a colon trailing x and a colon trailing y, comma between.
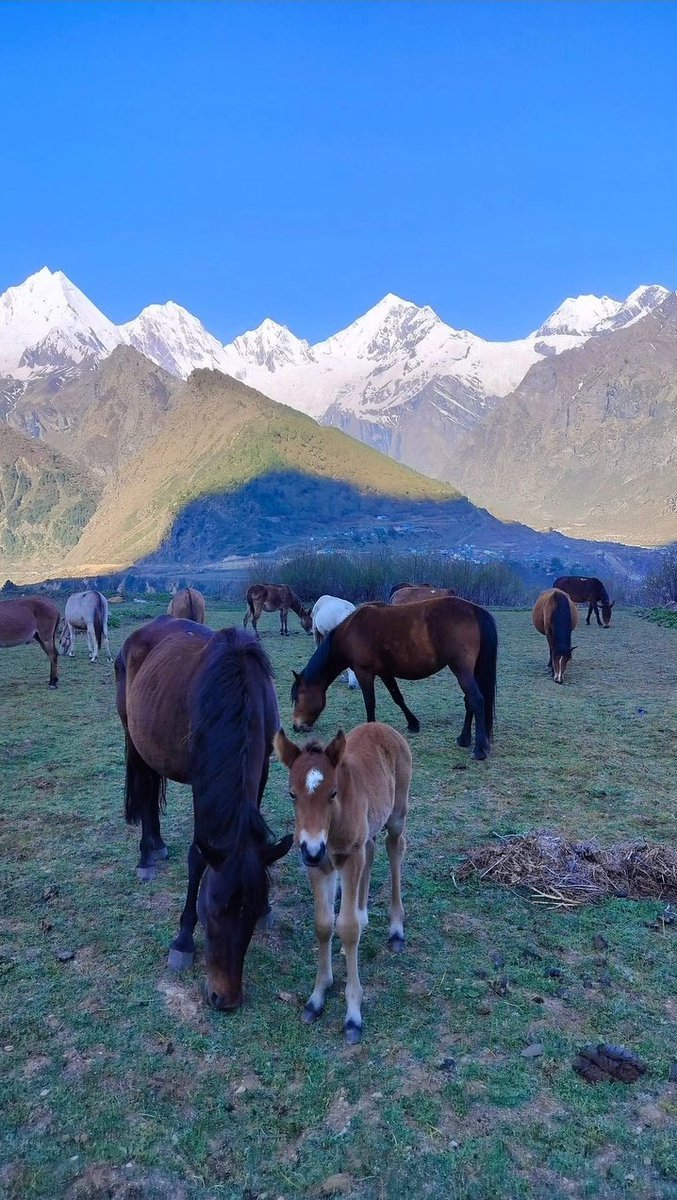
x: 380, y: 762
x: 23, y: 617
x: 420, y: 637
x: 414, y: 593
x: 329, y: 611
x: 544, y: 609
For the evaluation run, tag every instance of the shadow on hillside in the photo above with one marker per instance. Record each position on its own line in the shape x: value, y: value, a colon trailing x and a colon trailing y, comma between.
x: 284, y: 509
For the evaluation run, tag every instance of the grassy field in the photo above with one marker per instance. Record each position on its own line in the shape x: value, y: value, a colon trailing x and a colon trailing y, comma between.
x: 119, y: 1082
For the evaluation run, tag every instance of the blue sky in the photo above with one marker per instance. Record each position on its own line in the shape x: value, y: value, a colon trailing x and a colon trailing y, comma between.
x: 300, y: 160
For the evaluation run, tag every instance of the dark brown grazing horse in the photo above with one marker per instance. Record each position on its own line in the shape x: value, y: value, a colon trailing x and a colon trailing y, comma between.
x: 410, y: 593
x: 271, y: 597
x: 32, y: 619
x: 555, y: 615
x: 584, y: 589
x: 199, y: 707
x: 412, y: 641
x: 188, y: 603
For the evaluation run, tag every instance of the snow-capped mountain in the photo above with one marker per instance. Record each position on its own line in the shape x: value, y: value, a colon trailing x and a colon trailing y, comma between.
x: 174, y: 339
x: 398, y: 376
x: 48, y: 324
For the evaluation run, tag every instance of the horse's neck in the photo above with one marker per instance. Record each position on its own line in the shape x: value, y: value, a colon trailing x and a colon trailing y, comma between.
x: 295, y: 604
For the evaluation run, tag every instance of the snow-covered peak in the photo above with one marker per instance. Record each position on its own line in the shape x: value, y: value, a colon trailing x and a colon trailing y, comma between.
x: 47, y: 323
x: 579, y: 315
x: 638, y: 304
x: 271, y: 346
x: 176, y: 340
x: 389, y: 326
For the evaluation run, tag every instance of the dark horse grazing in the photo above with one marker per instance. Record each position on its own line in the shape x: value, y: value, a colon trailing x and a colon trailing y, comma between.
x: 410, y: 593
x: 408, y: 642
x: 587, y: 590
x: 269, y: 597
x: 32, y: 619
x: 555, y: 615
x: 199, y: 707
x: 189, y: 603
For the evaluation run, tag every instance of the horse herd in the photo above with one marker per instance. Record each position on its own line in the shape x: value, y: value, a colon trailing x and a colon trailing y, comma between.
x: 199, y: 707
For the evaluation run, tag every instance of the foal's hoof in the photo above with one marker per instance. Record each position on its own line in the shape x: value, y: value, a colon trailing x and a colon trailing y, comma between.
x: 396, y: 943
x: 145, y: 874
x: 311, y: 1014
x: 179, y: 960
x: 353, y: 1033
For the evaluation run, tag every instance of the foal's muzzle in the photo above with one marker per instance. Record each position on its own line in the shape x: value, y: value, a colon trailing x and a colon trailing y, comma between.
x: 314, y: 859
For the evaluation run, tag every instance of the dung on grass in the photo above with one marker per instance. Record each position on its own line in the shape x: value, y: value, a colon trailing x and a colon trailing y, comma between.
x: 565, y: 874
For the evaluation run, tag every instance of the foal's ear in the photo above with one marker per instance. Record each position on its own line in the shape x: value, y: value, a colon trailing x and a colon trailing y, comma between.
x: 276, y: 850
x: 334, y: 751
x: 286, y: 751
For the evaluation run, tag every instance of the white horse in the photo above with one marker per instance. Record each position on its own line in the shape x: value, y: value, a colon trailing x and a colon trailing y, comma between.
x: 327, y: 613
x: 86, y: 611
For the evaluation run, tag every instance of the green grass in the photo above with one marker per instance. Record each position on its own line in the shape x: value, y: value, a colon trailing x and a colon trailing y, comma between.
x: 119, y: 1081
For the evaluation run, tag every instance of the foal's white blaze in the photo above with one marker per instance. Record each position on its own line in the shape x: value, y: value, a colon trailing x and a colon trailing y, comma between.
x: 313, y: 779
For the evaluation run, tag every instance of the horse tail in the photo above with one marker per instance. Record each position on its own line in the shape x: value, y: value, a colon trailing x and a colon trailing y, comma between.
x: 561, y: 625
x: 485, y: 666
x: 191, y: 606
x: 99, y: 614
x: 143, y: 785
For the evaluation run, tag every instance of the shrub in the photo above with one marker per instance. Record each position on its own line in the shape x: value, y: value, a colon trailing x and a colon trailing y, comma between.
x: 661, y: 583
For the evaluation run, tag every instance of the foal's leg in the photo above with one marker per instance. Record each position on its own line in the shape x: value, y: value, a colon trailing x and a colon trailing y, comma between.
x: 413, y: 723
x: 349, y: 930
x: 323, y: 884
x: 182, y: 949
x: 396, y: 845
x: 363, y: 890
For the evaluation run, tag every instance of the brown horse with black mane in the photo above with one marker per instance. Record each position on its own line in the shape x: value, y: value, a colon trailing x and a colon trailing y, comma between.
x: 583, y: 589
x: 411, y: 641
x: 32, y: 619
x: 410, y: 593
x: 555, y: 615
x: 189, y: 604
x: 200, y: 707
x: 274, y: 597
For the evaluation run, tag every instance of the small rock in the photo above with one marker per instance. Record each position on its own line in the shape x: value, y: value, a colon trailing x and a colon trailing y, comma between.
x: 64, y: 956
x: 447, y: 1064
x: 286, y: 997
x: 535, y: 1050
x: 460, y: 766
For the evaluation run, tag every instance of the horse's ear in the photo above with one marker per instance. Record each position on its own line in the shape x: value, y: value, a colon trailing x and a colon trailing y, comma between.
x: 334, y: 751
x: 286, y: 751
x: 276, y: 850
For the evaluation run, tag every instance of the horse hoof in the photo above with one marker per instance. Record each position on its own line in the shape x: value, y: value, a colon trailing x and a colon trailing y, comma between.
x: 414, y: 728
x: 479, y: 755
x: 396, y: 943
x: 162, y: 854
x: 352, y: 1032
x: 462, y: 742
x: 54, y: 686
x: 311, y: 1014
x: 145, y: 874
x: 180, y: 960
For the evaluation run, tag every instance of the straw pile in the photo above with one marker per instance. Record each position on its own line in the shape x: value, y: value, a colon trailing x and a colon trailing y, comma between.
x: 565, y: 874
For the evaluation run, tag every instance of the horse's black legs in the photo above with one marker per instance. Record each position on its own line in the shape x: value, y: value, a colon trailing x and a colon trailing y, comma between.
x: 144, y: 796
x: 475, y: 701
x: 366, y: 683
x: 53, y: 657
x: 590, y: 612
x: 182, y: 949
x: 413, y: 724
x: 599, y: 621
x: 464, y: 738
x: 284, y: 613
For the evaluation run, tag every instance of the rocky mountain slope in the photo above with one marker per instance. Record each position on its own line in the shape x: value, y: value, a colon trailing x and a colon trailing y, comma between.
x: 587, y: 443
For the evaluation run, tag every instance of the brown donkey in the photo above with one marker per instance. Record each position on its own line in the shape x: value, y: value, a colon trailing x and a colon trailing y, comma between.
x: 189, y: 604
x: 556, y: 615
x: 343, y: 795
x: 274, y: 597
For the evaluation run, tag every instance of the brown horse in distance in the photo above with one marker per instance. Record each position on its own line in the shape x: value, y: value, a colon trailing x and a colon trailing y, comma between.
x: 410, y: 593
x: 200, y: 707
x: 274, y: 597
x: 555, y: 615
x: 583, y: 589
x: 344, y: 795
x: 189, y: 604
x: 412, y: 641
x: 32, y: 619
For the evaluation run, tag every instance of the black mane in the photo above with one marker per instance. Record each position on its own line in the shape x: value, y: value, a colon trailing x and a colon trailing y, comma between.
x: 230, y: 711
x: 316, y: 668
